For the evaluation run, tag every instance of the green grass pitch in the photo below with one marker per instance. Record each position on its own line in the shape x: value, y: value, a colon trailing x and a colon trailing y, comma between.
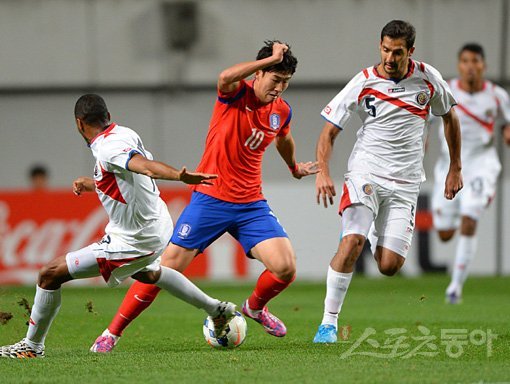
x: 165, y: 344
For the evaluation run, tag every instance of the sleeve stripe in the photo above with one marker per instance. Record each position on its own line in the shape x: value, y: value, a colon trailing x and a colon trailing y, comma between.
x: 336, y: 125
x: 230, y: 100
x: 288, y: 117
x: 130, y: 155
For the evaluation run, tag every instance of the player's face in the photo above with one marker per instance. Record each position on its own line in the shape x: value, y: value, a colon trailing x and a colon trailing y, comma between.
x: 471, y: 66
x: 270, y: 85
x: 394, y: 57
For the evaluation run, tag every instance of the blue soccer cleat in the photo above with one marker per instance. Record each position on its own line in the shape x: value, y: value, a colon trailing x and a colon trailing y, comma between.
x: 453, y: 298
x: 325, y: 334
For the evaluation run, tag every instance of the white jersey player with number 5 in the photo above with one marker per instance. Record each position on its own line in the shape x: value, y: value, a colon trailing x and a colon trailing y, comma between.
x: 482, y: 107
x: 393, y: 99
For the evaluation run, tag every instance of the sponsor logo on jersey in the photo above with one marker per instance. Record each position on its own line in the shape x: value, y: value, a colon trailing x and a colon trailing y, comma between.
x: 422, y: 98
x: 396, y: 90
x: 327, y: 110
x: 367, y: 189
x: 184, y: 231
x: 127, y: 150
x: 274, y: 121
x: 489, y: 113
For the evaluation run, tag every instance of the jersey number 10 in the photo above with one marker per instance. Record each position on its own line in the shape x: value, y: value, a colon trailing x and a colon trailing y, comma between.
x: 256, y: 138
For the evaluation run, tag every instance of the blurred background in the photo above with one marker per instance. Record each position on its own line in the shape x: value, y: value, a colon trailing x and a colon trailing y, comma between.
x: 156, y: 63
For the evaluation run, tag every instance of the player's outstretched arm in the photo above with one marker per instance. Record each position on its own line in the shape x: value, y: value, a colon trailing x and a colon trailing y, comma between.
x: 286, y: 148
x: 454, y: 181
x: 83, y: 184
x: 324, y: 186
x: 158, y: 170
x: 228, y: 80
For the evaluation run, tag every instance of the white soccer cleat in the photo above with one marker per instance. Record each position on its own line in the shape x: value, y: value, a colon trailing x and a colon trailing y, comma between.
x: 21, y: 350
x: 225, y: 311
x: 105, y: 343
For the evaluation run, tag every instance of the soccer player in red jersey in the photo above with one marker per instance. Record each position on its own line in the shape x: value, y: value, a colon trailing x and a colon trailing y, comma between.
x: 248, y: 115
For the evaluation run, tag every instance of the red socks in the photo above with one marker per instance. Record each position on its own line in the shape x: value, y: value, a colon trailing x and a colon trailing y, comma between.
x: 267, y: 287
x: 137, y: 299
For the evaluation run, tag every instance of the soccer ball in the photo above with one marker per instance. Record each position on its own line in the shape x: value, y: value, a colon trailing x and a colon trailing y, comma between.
x: 234, y: 337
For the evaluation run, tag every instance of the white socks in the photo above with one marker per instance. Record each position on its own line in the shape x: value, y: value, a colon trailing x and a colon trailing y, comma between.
x: 178, y: 285
x: 466, y: 249
x: 336, y: 288
x: 46, y: 306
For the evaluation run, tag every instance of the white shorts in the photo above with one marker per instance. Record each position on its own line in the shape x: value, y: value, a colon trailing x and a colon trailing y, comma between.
x: 478, y: 192
x: 393, y: 204
x: 112, y: 259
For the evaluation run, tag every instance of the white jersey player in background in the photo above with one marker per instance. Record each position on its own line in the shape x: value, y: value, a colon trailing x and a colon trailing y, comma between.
x: 138, y: 231
x: 482, y: 108
x: 385, y: 169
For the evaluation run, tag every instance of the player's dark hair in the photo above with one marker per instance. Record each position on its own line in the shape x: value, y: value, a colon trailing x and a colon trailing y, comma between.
x: 37, y: 170
x: 473, y: 47
x: 288, y: 64
x: 92, y: 110
x: 398, y: 29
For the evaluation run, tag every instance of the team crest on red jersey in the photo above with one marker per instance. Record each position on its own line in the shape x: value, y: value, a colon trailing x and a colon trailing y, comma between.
x: 274, y: 121
x: 422, y: 98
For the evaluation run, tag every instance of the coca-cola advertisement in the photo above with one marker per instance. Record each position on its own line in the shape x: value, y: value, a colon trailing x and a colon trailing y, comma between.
x: 37, y: 226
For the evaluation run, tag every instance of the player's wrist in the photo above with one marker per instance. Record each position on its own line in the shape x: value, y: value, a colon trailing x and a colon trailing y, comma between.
x: 293, y: 168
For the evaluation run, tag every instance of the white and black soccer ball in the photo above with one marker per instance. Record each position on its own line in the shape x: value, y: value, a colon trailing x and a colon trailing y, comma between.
x: 234, y: 336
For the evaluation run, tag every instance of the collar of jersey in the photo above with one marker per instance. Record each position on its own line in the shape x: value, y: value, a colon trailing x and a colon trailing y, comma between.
x: 410, y: 71
x: 106, y: 131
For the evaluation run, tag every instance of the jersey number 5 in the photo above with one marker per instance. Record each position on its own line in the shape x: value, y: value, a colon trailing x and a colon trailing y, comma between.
x: 256, y: 138
x: 371, y: 108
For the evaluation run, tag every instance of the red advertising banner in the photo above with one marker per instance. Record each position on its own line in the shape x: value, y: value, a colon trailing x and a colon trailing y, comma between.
x: 37, y: 226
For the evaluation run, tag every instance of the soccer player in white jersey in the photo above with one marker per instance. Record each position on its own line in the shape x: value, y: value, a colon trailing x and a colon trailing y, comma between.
x: 385, y: 169
x: 482, y: 105
x: 137, y: 233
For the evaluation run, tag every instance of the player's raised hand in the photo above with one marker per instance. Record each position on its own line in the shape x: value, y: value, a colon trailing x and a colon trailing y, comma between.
x: 83, y: 184
x: 453, y: 183
x: 278, y: 50
x: 195, y: 177
x: 325, y: 189
x: 305, y: 169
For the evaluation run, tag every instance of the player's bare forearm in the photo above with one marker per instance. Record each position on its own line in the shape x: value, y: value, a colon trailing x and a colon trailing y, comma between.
x: 325, y: 188
x: 452, y: 134
x: 229, y: 78
x: 83, y: 184
x: 325, y: 146
x: 454, y: 182
x: 162, y: 171
x: 286, y: 148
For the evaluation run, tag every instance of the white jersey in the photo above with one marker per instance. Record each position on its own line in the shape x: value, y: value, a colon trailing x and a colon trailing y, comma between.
x: 390, y: 143
x: 478, y: 113
x: 138, y: 216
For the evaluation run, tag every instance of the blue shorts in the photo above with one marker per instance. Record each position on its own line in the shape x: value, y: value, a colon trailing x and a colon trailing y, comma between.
x: 206, y: 218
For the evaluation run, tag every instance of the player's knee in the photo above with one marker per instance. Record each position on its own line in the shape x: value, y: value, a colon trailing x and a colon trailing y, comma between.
x: 148, y: 277
x: 350, y: 249
x: 468, y: 226
x: 446, y: 235
x: 285, y: 270
x: 390, y: 266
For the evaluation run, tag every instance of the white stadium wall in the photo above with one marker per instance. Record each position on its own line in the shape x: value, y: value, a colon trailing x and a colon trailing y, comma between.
x: 53, y: 51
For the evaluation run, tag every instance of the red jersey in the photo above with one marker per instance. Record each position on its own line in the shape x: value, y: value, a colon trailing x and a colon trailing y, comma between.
x: 239, y: 132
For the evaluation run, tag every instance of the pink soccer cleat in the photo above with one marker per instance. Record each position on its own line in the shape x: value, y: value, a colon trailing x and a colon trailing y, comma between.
x: 272, y: 325
x: 105, y: 343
